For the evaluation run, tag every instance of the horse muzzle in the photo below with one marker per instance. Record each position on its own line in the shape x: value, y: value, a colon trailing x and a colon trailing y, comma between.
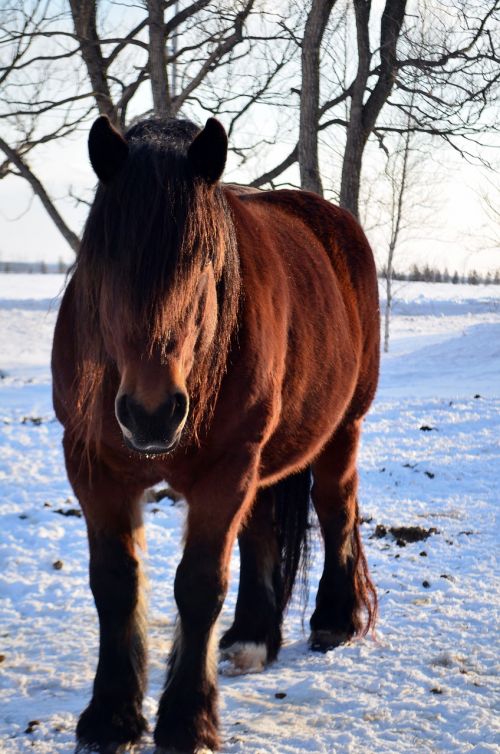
x: 152, y: 433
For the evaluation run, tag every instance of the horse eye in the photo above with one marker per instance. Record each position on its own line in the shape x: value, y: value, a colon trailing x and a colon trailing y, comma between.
x: 169, y: 346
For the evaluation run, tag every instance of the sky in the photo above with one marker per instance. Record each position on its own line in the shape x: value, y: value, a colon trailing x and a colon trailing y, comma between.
x: 455, y: 233
x: 458, y: 234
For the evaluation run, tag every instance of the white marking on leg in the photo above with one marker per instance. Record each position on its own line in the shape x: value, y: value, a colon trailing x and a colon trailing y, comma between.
x: 177, y: 648
x: 212, y: 656
x: 243, y: 657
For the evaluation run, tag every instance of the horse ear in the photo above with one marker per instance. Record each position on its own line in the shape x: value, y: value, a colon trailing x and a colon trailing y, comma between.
x: 207, y: 153
x: 108, y: 149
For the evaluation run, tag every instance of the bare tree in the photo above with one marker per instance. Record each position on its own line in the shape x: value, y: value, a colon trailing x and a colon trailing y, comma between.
x: 490, y: 200
x: 404, y: 205
x: 63, y: 60
x: 450, y: 47
x: 364, y: 112
x: 397, y: 171
x: 317, y: 19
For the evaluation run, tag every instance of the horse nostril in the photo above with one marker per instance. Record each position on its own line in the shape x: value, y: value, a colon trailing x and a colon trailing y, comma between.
x: 178, y: 406
x: 144, y: 428
x: 123, y: 412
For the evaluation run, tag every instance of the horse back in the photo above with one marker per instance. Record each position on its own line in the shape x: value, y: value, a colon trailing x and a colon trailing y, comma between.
x: 343, y: 241
x: 354, y: 267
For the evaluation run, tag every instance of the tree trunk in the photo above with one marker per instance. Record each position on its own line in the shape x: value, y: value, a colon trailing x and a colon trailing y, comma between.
x: 363, y: 116
x: 310, y: 177
x: 351, y: 167
x: 162, y: 102
x: 84, y: 20
x: 388, y: 298
x: 356, y: 136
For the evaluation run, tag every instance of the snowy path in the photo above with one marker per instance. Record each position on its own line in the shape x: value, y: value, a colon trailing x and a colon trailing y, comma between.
x: 430, y: 683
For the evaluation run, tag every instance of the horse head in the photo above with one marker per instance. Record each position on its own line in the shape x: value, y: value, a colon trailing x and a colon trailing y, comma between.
x: 153, y: 259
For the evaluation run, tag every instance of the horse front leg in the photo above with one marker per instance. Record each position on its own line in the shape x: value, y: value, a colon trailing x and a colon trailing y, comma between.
x: 187, y: 714
x: 113, y: 718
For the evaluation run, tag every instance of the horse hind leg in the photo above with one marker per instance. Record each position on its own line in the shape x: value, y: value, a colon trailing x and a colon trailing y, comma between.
x: 254, y: 638
x: 272, y: 545
x: 346, y: 602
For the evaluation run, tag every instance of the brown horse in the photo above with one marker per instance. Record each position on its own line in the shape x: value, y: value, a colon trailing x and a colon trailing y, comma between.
x: 226, y: 341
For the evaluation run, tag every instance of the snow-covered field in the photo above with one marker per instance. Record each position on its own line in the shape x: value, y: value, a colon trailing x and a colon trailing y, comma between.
x: 429, y: 683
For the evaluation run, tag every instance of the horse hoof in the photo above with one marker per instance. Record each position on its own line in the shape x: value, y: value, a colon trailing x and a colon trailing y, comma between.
x: 324, y: 641
x: 243, y: 657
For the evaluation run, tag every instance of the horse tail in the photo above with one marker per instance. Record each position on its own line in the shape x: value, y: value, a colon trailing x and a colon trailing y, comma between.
x: 364, y: 588
x: 292, y: 506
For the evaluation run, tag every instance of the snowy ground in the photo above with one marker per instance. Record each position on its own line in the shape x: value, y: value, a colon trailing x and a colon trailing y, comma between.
x: 428, y: 684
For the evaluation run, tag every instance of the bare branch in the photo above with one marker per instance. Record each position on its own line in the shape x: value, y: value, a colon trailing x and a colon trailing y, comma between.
x: 275, y: 172
x: 40, y: 191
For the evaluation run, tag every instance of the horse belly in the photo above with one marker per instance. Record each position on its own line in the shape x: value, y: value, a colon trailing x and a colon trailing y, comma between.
x: 320, y: 380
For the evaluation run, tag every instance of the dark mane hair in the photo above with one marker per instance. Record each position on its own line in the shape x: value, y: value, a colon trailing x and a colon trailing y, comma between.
x: 148, y: 232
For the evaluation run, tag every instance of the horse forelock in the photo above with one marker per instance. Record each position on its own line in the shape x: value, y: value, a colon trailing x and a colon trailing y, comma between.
x: 148, y: 236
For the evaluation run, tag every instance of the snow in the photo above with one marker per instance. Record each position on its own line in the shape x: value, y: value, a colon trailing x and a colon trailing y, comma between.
x: 429, y: 683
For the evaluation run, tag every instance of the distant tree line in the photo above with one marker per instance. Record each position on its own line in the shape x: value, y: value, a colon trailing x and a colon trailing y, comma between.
x: 426, y: 273
x: 34, y: 267
x: 429, y: 274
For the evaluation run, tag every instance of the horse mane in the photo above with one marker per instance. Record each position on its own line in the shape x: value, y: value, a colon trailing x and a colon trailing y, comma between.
x: 147, y: 234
